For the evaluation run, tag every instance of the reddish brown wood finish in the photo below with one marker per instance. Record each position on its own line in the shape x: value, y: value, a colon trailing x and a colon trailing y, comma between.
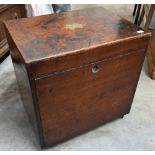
x: 77, y: 100
x: 62, y: 95
x: 44, y: 41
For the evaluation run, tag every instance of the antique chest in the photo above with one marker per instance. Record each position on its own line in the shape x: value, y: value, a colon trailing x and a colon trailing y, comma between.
x: 75, y: 70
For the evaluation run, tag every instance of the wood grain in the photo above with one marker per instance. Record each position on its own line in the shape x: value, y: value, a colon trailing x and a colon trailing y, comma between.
x: 45, y: 39
x: 77, y: 100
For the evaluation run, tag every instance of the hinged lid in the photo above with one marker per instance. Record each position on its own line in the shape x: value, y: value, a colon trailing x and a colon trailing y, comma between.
x: 52, y: 43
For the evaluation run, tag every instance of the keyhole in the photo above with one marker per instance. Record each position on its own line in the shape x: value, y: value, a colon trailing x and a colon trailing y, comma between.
x: 95, y: 68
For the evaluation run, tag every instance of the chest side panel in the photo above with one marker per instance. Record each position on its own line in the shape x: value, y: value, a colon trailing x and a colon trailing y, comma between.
x: 74, y: 101
x: 26, y: 87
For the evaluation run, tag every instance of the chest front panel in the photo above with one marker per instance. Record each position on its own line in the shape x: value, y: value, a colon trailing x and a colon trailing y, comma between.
x: 73, y: 101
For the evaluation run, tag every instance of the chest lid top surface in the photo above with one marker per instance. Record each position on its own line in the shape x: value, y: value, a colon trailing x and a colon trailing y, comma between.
x: 51, y: 36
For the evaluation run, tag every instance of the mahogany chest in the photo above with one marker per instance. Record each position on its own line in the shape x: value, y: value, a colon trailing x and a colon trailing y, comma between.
x: 75, y: 70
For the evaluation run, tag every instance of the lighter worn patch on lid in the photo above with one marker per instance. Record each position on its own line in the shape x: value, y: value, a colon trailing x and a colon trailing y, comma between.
x: 74, y: 26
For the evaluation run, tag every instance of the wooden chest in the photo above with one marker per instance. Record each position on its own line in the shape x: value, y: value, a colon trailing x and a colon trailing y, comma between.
x: 75, y: 70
